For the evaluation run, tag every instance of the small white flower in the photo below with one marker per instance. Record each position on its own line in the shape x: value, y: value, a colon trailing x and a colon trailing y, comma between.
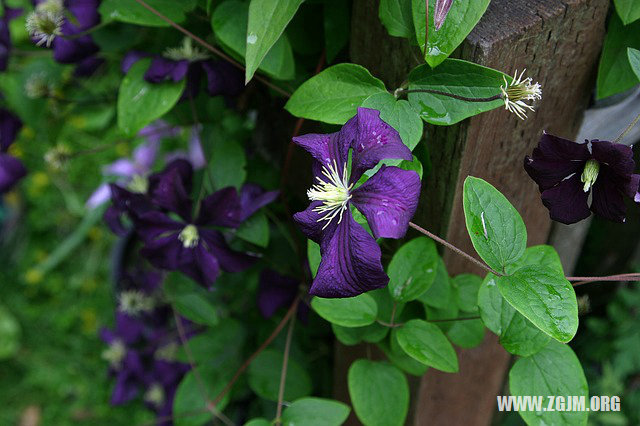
x: 517, y: 92
x: 45, y: 24
x: 134, y: 302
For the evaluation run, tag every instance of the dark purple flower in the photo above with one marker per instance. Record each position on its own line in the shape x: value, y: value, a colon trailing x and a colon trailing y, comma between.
x: 441, y: 11
x: 252, y: 198
x: 350, y: 256
x: 187, y: 242
x: 190, y: 63
x: 11, y: 169
x: 276, y: 291
x: 5, y: 36
x: 566, y: 172
x: 53, y: 18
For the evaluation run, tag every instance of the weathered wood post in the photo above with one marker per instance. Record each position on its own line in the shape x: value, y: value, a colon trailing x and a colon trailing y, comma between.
x: 559, y: 42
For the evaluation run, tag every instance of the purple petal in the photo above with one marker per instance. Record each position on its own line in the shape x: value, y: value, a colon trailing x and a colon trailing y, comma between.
x: 153, y: 224
x: 145, y: 155
x: 129, y: 329
x: 389, y: 200
x: 567, y: 202
x: 253, y: 197
x: 158, y: 130
x: 113, y: 218
x: 350, y: 262
x: 608, y: 201
x: 548, y: 173
x: 275, y: 291
x: 71, y: 51
x: 196, y: 154
x: 223, y: 78
x: 10, y: 125
x: 325, y: 148
x: 122, y: 167
x: 162, y: 69
x: 85, y: 12
x: 100, y: 196
x: 170, y: 188
x: 556, y: 148
x: 88, y: 66
x: 617, y: 156
x: 309, y: 222
x: 11, y: 171
x: 441, y: 11
x: 130, y: 59
x: 222, y: 208
x: 205, y: 268
x: 167, y: 253
x: 372, y: 140
x: 229, y: 260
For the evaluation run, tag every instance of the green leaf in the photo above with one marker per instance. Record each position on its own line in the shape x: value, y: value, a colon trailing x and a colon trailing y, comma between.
x: 264, y: 377
x: 496, y: 229
x: 545, y: 297
x: 466, y: 290
x: 348, y: 312
x: 517, y: 334
x: 227, y: 164
x: 140, y: 102
x: 555, y: 370
x: 220, y: 345
x: 634, y: 60
x: 192, y: 301
x: 542, y: 255
x: 615, y: 74
x: 462, y: 17
x: 467, y: 333
x: 439, y: 295
x: 396, y: 16
x: 372, y: 333
x: 399, y: 115
x: 229, y: 23
x: 457, y: 77
x: 334, y: 95
x: 336, y: 27
x: 267, y: 21
x: 189, y: 396
x: 400, y: 359
x: 628, y: 10
x: 315, y: 412
x: 379, y: 393
x: 258, y: 422
x: 9, y: 334
x: 255, y: 230
x: 313, y: 254
x: 413, y: 269
x: 133, y: 12
x: 426, y: 343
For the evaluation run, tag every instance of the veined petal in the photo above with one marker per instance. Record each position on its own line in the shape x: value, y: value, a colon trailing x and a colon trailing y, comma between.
x: 372, y: 140
x: 350, y: 262
x: 170, y: 188
x: 222, y: 208
x: 567, y: 201
x: 617, y: 156
x: 547, y: 172
x: 229, y: 260
x: 389, y: 200
x: 154, y: 224
x: 203, y: 266
x: 608, y: 201
x: 325, y: 148
x: 309, y: 222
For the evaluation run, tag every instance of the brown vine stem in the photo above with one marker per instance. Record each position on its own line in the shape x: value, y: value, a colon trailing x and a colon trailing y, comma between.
x: 454, y: 248
x: 203, y: 389
x: 627, y: 130
x: 283, y: 373
x: 263, y: 346
x: 619, y: 277
x: 210, y: 47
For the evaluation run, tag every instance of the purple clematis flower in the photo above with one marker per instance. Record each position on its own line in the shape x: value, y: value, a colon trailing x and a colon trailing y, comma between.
x: 5, y: 36
x: 566, y: 172
x: 11, y: 169
x: 276, y: 291
x: 350, y: 256
x: 188, y: 243
x: 191, y: 63
x: 252, y: 198
x: 59, y: 24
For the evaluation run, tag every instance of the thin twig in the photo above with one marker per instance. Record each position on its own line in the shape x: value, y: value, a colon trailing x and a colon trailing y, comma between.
x: 426, y: 28
x: 619, y: 277
x: 283, y: 373
x: 263, y: 346
x: 451, y: 95
x: 627, y: 130
x: 210, y: 47
x: 453, y: 248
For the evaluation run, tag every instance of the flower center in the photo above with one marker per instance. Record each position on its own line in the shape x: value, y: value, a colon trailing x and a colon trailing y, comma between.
x: 115, y: 353
x: 189, y: 236
x: 167, y: 352
x: 520, y: 90
x: 187, y: 52
x: 590, y: 174
x: 333, y: 191
x: 134, y: 302
x: 45, y: 23
x: 138, y: 184
x: 155, y: 395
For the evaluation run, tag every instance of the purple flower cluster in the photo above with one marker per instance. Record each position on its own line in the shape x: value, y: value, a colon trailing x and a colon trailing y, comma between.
x: 567, y: 172
x: 178, y: 234
x: 11, y: 169
x: 142, y: 347
x: 5, y: 36
x: 350, y: 255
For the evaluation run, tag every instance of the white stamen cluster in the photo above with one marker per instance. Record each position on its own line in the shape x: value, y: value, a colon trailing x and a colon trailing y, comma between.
x: 517, y: 92
x: 334, y: 192
x: 57, y: 157
x: 135, y: 302
x: 189, y: 236
x: 45, y: 23
x: 187, y: 51
x: 115, y: 353
x: 167, y: 352
x: 37, y: 86
x: 155, y: 395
